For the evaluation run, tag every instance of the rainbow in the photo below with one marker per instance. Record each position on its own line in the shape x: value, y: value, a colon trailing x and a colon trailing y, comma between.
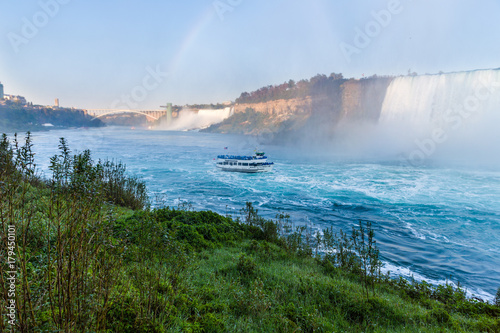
x: 191, y: 37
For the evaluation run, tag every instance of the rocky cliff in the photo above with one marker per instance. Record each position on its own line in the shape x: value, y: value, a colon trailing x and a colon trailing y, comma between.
x: 279, y: 108
x: 362, y: 99
x: 345, y: 101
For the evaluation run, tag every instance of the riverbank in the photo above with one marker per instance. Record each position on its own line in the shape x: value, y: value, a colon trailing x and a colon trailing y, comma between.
x: 23, y: 118
x: 91, y: 255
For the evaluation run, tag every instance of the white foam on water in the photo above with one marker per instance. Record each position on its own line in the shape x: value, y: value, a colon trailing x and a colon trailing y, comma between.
x: 406, y: 272
x: 415, y: 233
x: 428, y: 205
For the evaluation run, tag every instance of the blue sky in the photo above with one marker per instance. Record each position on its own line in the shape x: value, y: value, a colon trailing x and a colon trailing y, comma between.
x: 142, y: 54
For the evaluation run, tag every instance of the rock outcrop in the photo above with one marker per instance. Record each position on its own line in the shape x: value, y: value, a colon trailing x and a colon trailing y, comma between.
x: 346, y: 101
x: 279, y: 108
x: 362, y: 99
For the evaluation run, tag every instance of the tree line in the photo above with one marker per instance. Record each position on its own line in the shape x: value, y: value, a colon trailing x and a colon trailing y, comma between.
x: 15, y: 117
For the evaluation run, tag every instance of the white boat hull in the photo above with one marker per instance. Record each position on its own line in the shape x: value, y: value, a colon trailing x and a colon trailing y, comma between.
x: 246, y: 169
x: 246, y: 164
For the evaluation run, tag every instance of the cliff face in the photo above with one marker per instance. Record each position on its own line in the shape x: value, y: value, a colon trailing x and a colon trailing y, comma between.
x: 347, y: 101
x: 356, y: 100
x: 279, y: 108
x: 265, y: 118
x: 362, y: 99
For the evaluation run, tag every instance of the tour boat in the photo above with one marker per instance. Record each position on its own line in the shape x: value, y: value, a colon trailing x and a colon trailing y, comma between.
x: 249, y: 164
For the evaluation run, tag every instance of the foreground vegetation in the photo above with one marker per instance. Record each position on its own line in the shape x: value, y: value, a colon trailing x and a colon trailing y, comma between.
x: 91, y: 256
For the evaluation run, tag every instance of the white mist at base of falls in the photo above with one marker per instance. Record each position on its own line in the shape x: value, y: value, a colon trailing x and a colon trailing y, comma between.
x: 445, y: 117
x: 192, y: 120
x: 439, y: 118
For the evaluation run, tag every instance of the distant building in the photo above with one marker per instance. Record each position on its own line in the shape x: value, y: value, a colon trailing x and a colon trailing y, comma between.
x: 56, y: 103
x: 13, y: 98
x: 1, y: 91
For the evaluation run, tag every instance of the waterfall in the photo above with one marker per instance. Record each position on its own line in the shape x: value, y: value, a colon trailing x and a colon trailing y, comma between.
x: 448, y: 116
x: 442, y: 99
x: 196, y: 119
x: 442, y: 118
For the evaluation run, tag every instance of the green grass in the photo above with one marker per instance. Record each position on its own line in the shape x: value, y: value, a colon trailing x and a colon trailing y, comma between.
x: 287, y: 294
x: 88, y: 264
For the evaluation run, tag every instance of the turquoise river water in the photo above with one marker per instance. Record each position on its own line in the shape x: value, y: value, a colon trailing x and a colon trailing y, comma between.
x: 434, y: 223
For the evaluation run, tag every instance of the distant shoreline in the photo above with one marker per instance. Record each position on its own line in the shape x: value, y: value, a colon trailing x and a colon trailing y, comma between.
x: 22, y: 118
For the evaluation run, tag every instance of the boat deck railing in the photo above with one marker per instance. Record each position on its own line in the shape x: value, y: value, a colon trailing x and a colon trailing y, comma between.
x: 246, y: 158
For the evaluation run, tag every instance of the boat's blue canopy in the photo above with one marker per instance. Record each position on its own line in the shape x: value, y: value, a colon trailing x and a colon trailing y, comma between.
x: 235, y: 157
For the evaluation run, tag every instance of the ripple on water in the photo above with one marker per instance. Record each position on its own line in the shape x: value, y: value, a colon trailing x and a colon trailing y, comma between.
x: 429, y: 222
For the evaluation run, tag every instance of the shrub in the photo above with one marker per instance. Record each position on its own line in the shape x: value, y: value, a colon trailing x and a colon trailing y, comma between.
x: 440, y: 315
x: 120, y: 189
x: 246, y: 265
x: 212, y: 323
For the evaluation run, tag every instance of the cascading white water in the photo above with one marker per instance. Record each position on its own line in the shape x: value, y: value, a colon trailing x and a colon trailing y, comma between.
x: 191, y: 120
x: 442, y: 99
x: 446, y: 116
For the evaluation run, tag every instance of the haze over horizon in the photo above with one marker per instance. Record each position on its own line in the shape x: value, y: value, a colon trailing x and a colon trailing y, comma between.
x: 93, y: 54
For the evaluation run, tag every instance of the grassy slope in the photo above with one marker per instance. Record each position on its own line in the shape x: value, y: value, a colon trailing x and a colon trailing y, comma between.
x: 86, y: 265
x: 250, y: 285
x: 183, y: 271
